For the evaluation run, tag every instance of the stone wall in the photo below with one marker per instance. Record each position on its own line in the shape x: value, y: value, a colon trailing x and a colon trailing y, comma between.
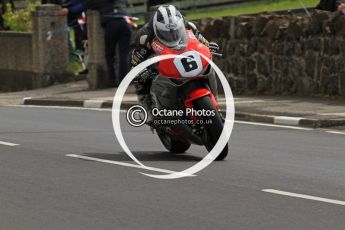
x: 28, y: 60
x: 15, y: 60
x: 16, y: 50
x: 98, y: 73
x: 275, y: 54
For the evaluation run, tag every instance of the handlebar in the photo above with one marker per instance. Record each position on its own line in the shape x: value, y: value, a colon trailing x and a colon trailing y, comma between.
x: 217, y: 54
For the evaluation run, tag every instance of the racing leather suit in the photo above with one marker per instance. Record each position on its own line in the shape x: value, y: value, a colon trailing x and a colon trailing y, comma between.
x: 142, y: 50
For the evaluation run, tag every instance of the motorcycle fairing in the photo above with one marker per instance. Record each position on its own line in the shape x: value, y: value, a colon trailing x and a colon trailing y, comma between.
x: 192, y: 65
x: 198, y: 93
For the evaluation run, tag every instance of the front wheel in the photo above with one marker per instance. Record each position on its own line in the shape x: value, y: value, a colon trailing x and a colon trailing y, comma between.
x: 173, y: 145
x: 213, y: 126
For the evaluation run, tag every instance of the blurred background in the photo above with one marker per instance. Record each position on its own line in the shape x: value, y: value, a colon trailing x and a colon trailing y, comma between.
x: 196, y: 9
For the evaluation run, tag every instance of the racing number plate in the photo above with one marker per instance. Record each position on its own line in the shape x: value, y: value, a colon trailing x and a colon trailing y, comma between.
x: 189, y: 64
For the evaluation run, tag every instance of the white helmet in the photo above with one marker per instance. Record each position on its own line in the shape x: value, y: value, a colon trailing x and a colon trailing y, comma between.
x: 169, y: 26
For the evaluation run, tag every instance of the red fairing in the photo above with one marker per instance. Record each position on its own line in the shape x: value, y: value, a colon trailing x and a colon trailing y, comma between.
x: 198, y: 93
x: 168, y: 67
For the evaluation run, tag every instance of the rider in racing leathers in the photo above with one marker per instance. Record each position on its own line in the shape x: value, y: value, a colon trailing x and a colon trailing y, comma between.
x: 168, y: 26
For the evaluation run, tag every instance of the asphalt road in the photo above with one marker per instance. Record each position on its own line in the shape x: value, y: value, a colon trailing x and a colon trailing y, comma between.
x: 42, y: 188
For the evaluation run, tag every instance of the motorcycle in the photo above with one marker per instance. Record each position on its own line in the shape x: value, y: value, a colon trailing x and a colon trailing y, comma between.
x: 187, y: 83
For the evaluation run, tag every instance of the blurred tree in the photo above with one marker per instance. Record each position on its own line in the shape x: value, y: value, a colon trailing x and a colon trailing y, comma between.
x: 3, y: 9
x: 3, y: 4
x: 20, y: 19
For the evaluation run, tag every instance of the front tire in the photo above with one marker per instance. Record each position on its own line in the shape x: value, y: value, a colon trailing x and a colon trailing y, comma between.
x: 213, y: 126
x: 173, y: 145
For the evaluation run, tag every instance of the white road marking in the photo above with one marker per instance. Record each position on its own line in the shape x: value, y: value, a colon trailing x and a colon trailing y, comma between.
x: 272, y: 125
x: 8, y: 144
x: 326, y: 200
x: 121, y: 164
x: 281, y: 120
x: 336, y: 132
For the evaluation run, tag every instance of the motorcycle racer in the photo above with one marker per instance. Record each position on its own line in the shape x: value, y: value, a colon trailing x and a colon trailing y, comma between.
x: 168, y: 26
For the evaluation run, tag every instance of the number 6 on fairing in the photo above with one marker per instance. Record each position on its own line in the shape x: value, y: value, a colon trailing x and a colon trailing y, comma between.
x: 189, y: 64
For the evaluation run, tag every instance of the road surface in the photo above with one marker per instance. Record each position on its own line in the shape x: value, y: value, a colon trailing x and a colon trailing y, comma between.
x: 275, y: 178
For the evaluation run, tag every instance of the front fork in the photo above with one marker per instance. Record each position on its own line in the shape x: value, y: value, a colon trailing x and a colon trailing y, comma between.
x: 212, y: 79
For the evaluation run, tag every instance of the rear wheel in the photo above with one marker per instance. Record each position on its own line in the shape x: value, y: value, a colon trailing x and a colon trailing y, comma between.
x: 173, y: 145
x: 213, y: 126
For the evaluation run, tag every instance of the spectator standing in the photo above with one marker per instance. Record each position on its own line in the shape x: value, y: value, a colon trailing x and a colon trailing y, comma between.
x: 75, y: 10
x: 117, y: 30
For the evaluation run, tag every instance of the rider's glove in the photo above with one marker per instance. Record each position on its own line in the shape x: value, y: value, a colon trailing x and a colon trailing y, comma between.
x: 214, y: 47
x: 143, y: 76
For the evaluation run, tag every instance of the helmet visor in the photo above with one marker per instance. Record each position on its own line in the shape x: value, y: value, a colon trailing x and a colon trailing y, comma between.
x: 171, y: 37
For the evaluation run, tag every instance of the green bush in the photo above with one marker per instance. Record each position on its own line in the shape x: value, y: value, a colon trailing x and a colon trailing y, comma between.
x: 20, y: 20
